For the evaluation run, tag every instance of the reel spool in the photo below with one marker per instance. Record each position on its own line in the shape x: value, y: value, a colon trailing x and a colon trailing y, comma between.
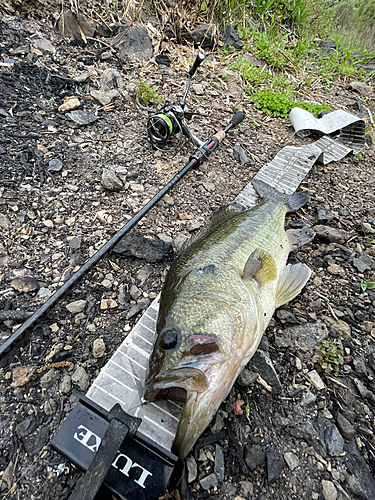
x: 161, y: 127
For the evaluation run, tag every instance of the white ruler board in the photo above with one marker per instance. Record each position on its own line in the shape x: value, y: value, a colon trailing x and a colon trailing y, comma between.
x: 122, y: 379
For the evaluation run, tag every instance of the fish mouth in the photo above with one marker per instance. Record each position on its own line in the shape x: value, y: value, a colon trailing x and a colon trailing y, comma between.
x: 188, y: 385
x: 175, y: 384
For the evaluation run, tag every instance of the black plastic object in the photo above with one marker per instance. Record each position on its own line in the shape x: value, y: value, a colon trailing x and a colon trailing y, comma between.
x: 198, y: 60
x: 162, y: 60
x: 140, y: 469
x: 237, y: 118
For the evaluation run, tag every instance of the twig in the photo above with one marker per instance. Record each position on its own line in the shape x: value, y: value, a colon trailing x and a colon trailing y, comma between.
x: 370, y: 115
x: 264, y: 384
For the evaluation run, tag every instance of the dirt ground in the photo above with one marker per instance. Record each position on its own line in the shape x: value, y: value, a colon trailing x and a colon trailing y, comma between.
x: 303, y: 441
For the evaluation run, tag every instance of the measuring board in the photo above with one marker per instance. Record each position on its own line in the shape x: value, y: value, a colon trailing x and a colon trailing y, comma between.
x: 122, y: 378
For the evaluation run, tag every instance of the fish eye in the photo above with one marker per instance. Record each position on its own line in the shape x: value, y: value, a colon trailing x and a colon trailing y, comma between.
x: 169, y: 340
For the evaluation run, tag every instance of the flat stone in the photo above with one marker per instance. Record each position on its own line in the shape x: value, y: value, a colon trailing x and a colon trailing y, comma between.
x: 331, y: 234
x: 69, y: 105
x: 75, y: 243
x: 240, y: 155
x: 246, y: 378
x: 98, y: 348
x: 198, y: 88
x: 315, y: 379
x: 55, y: 165
x: 21, y: 375
x: 286, y: 317
x: 219, y: 462
x: 110, y: 181
x: 81, y: 378
x: 193, y: 225
x: 26, y: 426
x: 334, y: 441
x: 363, y: 263
x: 291, y: 459
x: 308, y: 399
x: 261, y: 363
x: 247, y: 489
x: 345, y: 427
x: 323, y: 214
x: 254, y: 457
x: 107, y: 304
x: 152, y: 250
x: 179, y: 240
x: 231, y: 39
x: 192, y: 469
x: 104, y: 98
x: 76, y: 306
x: 81, y: 118
x: 306, y: 432
x: 134, y: 310
x: 4, y: 222
x: 341, y: 326
x: 329, y: 490
x: 135, y: 292
x: 135, y: 45
x: 275, y: 466
x: 111, y: 79
x: 304, y: 337
x: 361, y: 87
x: 49, y: 379
x: 209, y: 481
x: 25, y: 284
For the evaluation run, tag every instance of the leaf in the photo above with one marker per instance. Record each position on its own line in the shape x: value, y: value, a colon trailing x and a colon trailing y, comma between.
x: 203, y: 6
x: 367, y: 285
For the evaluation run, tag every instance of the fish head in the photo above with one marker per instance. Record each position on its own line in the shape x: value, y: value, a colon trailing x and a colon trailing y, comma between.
x: 196, y: 359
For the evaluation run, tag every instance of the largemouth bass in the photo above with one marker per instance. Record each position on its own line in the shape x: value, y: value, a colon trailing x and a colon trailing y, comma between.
x: 217, y: 301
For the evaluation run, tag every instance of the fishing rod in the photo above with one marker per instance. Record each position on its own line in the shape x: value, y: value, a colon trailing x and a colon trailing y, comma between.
x: 203, y: 151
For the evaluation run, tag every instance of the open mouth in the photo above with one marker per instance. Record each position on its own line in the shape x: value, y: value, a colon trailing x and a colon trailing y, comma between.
x: 173, y: 393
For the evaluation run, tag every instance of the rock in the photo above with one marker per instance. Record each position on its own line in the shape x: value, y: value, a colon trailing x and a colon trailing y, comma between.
x: 70, y: 24
x: 145, y: 272
x: 363, y: 263
x: 286, y: 317
x: 110, y: 181
x: 240, y: 155
x: 81, y: 378
x: 133, y: 311
x: 219, y: 462
x: 209, y: 481
x: 291, y: 459
x: 367, y: 228
x: 323, y: 214
x: 334, y: 441
x: 65, y: 384
x: 329, y: 490
x: 81, y: 117
x: 230, y: 77
x: 50, y: 407
x: 261, y: 363
x: 328, y: 45
x: 107, y: 304
x: 21, y: 375
x: 252, y: 60
x: 135, y: 45
x: 111, y: 79
x: 192, y: 469
x: 336, y: 270
x: 50, y: 378
x: 331, y: 234
x: 135, y: 245
x: 304, y: 337
x: 341, y: 326
x: 55, y: 165
x: 198, y: 88
x: 246, y: 378
x: 135, y: 292
x: 308, y: 433
x: 75, y: 243
x: 254, y: 457
x: 193, y: 225
x: 44, y: 293
x: 247, y: 489
x: 69, y: 105
x: 232, y: 41
x: 77, y: 306
x: 209, y: 186
x: 360, y: 480
x: 179, y: 240
x: 202, y: 35
x: 314, y: 378
x: 25, y: 284
x: 34, y: 442
x: 361, y: 87
x: 26, y: 426
x: 275, y: 466
x: 308, y: 399
x: 104, y: 98
x: 98, y: 348
x: 3, y: 258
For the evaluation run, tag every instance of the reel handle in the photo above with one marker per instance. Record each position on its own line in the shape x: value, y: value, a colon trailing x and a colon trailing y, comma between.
x: 198, y: 60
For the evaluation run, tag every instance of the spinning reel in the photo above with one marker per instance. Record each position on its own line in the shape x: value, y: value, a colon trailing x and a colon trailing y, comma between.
x: 170, y: 120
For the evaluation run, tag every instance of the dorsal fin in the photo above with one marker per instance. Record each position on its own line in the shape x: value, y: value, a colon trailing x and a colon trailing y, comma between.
x: 292, y: 201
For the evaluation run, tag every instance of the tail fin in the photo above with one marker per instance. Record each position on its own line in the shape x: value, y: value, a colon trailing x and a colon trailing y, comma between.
x: 292, y: 201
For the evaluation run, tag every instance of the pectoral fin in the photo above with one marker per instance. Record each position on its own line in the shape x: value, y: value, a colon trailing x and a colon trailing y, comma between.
x: 260, y: 266
x: 292, y: 279
x: 299, y: 237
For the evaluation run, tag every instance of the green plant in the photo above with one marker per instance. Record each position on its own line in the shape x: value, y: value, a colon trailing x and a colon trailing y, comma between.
x: 148, y: 95
x: 329, y: 356
x: 367, y: 285
x: 273, y: 103
x: 313, y: 108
